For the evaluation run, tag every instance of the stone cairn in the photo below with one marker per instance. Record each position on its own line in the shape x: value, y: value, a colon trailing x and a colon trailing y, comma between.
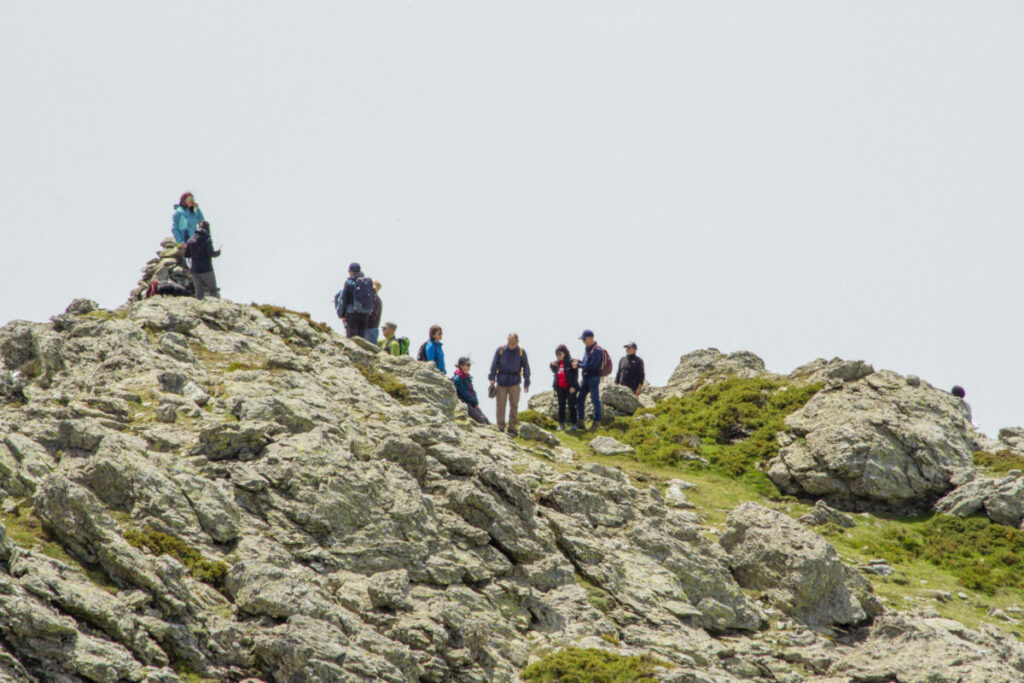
x: 169, y: 264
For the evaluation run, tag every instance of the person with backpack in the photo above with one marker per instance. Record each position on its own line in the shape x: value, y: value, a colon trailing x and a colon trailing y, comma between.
x: 463, y: 382
x: 354, y: 302
x: 595, y: 364
x: 631, y: 370
x: 373, y: 324
x: 509, y: 368
x: 432, y: 351
x: 396, y: 346
x: 186, y: 220
x: 200, y: 249
x: 566, y: 383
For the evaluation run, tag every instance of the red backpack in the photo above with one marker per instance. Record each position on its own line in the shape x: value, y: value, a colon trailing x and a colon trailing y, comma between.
x: 606, y: 363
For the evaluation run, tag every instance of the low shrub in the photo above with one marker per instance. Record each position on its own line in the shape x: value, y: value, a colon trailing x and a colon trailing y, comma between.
x: 390, y: 384
x: 589, y: 665
x: 201, y: 569
x: 1000, y: 461
x: 732, y: 424
x: 539, y: 419
x: 272, y: 311
x: 982, y: 555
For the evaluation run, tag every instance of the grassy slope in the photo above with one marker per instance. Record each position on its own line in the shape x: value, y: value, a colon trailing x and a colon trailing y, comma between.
x: 937, y: 558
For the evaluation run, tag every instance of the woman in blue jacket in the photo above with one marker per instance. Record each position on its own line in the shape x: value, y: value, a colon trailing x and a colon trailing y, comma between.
x: 433, y: 351
x: 467, y: 394
x: 186, y: 220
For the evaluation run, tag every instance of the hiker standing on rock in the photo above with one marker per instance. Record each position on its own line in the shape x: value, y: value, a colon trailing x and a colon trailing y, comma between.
x: 509, y: 368
x: 566, y: 383
x: 373, y: 324
x: 432, y: 350
x: 389, y: 344
x: 200, y: 249
x: 631, y: 370
x: 354, y: 303
x: 187, y: 216
x: 593, y: 366
x: 463, y: 382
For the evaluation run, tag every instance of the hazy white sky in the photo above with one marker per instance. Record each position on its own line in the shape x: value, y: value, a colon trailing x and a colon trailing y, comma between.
x: 799, y: 179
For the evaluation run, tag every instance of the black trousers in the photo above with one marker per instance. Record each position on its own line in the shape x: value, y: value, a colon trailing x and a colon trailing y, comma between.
x: 355, y: 324
x: 564, y: 397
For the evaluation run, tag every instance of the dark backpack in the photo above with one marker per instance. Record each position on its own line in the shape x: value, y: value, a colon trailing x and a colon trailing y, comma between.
x: 606, y: 363
x: 338, y: 299
x: 363, y: 295
x: 422, y: 353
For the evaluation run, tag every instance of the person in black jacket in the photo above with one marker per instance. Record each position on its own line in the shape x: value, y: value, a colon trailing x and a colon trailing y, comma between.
x: 631, y: 370
x: 200, y: 249
x: 565, y: 384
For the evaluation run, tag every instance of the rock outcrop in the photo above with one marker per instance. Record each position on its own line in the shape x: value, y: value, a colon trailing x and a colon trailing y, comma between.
x: 884, y: 441
x: 201, y: 488
x: 798, y: 571
x: 1002, y: 499
x: 700, y: 368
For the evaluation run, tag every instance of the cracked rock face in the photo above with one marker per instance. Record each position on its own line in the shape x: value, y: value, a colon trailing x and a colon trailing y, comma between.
x: 881, y: 442
x: 305, y: 525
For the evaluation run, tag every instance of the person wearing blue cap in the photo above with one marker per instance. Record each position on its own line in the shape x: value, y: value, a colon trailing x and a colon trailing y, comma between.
x: 592, y: 365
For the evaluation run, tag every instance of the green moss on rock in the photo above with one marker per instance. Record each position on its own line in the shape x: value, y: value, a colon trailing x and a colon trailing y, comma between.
x: 201, y: 569
x: 1001, y: 461
x: 272, y: 311
x: 386, y: 381
x: 589, y: 665
x: 731, y: 424
x: 539, y: 419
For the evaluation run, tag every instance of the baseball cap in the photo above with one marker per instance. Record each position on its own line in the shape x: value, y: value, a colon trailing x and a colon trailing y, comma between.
x: 354, y: 267
x: 630, y: 345
x: 587, y: 333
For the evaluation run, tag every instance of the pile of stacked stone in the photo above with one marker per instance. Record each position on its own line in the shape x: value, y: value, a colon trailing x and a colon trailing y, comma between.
x: 169, y: 265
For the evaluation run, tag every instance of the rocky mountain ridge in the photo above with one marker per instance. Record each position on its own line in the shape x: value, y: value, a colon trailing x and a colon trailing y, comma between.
x: 203, y: 489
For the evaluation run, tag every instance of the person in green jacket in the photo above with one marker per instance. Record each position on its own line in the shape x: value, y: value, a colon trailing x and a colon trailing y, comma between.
x: 389, y: 344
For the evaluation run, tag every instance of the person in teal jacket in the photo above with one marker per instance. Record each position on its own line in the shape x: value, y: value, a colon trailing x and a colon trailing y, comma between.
x: 187, y: 216
x: 433, y: 351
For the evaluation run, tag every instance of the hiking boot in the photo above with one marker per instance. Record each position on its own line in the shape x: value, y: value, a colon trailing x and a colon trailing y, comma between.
x: 513, y: 432
x: 561, y: 426
x: 581, y: 426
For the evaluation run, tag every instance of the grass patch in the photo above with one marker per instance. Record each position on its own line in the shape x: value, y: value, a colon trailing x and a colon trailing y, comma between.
x: 272, y: 311
x: 539, y: 419
x: 599, y: 598
x: 732, y: 424
x: 235, y: 366
x: 27, y: 531
x: 999, y: 462
x: 588, y: 665
x: 391, y: 385
x: 981, y: 555
x: 201, y: 569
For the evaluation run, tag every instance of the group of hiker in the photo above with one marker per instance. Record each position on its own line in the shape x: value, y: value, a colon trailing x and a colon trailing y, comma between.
x: 359, y: 306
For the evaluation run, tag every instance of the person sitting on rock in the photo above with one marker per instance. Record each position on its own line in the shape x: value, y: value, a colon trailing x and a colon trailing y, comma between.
x: 566, y: 382
x: 187, y: 216
x: 432, y: 350
x: 389, y: 344
x: 631, y: 370
x: 200, y: 249
x: 165, y: 288
x: 509, y: 367
x: 373, y: 322
x: 463, y: 382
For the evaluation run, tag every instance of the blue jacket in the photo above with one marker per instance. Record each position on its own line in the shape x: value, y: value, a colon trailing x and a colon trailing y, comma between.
x: 185, y: 222
x: 593, y: 359
x: 435, y: 354
x: 508, y: 366
x: 199, y: 248
x: 464, y: 388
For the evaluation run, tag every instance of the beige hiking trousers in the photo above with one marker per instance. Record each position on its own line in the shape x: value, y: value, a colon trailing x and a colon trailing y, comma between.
x: 511, y: 396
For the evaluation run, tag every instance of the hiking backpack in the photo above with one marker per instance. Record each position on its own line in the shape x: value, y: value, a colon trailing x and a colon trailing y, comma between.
x: 338, y: 298
x: 403, y: 346
x: 363, y: 295
x: 422, y: 353
x: 606, y: 363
